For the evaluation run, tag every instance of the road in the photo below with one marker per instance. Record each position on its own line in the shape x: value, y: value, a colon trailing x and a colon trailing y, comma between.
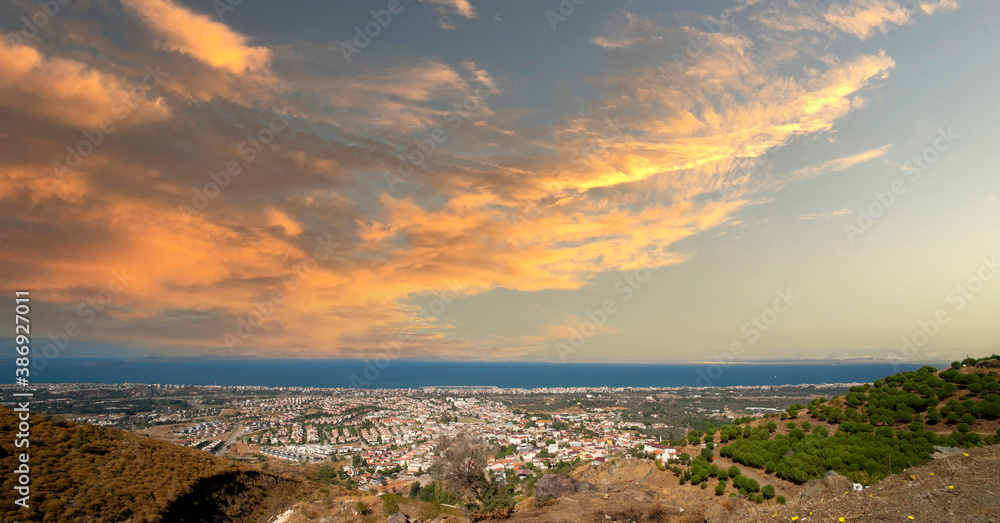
x: 232, y: 439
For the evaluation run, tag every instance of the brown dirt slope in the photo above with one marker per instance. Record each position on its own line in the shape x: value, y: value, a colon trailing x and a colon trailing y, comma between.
x: 81, y: 472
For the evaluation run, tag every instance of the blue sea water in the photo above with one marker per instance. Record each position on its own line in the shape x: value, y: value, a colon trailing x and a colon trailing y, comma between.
x: 413, y: 374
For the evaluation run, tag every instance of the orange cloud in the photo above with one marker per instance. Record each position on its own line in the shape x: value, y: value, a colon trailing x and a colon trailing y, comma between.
x: 862, y: 18
x: 462, y: 7
x: 196, y: 35
x: 70, y: 92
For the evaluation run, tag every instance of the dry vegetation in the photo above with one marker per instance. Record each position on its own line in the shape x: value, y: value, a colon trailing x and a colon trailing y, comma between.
x: 81, y: 472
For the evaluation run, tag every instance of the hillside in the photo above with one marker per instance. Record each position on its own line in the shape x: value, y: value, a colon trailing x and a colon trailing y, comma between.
x: 82, y: 472
x: 870, y: 433
x: 958, y: 487
x: 806, y: 459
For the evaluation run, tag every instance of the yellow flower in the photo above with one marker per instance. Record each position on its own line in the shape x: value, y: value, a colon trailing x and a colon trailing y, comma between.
x: 795, y: 518
x: 841, y: 520
x: 964, y: 454
x: 951, y: 487
x: 932, y: 473
x: 912, y: 476
x: 909, y: 517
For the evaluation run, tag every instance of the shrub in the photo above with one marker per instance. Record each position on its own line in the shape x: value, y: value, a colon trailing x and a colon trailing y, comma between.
x: 720, y: 489
x: 991, y: 410
x: 734, y: 471
x: 390, y: 504
x: 781, y: 500
x: 768, y: 491
x: 963, y: 427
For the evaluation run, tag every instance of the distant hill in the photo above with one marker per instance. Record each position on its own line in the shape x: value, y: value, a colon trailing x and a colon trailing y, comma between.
x: 82, y: 472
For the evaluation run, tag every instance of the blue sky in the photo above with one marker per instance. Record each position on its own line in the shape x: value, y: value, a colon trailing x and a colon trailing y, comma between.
x: 639, y: 182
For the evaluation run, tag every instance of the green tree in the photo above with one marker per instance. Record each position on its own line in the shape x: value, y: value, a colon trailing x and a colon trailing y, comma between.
x: 494, y: 499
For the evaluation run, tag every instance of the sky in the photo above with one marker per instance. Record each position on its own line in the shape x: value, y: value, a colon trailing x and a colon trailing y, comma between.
x: 626, y: 181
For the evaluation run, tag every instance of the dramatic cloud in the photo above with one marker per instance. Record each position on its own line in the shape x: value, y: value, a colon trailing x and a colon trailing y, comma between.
x: 277, y: 201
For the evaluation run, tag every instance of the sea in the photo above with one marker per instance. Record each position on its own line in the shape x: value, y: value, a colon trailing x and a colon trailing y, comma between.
x: 329, y: 373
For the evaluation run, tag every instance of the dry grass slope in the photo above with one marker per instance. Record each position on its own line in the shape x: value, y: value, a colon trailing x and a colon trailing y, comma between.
x: 81, y: 472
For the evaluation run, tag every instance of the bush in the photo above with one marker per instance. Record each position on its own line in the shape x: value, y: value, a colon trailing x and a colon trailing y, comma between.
x: 768, y: 491
x: 781, y: 500
x: 390, y: 504
x: 748, y: 484
x: 734, y: 471
x: 963, y: 427
x: 720, y: 489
